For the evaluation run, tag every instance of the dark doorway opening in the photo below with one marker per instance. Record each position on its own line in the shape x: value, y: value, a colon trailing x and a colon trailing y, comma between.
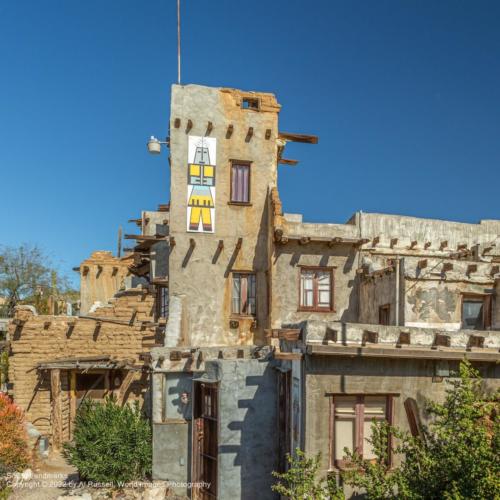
x: 205, y: 440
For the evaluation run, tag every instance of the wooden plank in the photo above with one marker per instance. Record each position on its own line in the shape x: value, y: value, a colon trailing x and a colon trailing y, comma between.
x: 284, y: 333
x: 309, y: 139
x: 72, y: 402
x: 126, y: 383
x: 79, y: 358
x: 288, y: 356
x: 142, y: 237
x: 56, y: 408
x: 286, y: 161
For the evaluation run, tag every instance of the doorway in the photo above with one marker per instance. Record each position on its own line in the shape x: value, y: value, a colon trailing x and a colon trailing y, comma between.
x: 205, y: 439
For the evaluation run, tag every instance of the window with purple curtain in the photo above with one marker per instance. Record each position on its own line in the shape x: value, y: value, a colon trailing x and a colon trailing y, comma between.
x: 240, y: 187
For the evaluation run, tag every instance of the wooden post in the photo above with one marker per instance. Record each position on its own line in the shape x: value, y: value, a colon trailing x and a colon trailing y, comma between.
x: 56, y: 417
x: 72, y: 402
x: 126, y: 383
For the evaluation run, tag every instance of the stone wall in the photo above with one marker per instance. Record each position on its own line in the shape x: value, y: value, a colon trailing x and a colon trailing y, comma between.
x: 35, y: 339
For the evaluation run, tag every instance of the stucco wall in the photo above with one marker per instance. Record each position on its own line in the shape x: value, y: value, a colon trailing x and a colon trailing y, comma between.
x: 287, y: 260
x: 406, y: 378
x: 201, y: 273
x: 407, y: 229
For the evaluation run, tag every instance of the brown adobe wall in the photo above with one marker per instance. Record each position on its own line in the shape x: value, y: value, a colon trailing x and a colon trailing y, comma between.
x: 101, y: 276
x: 45, y: 338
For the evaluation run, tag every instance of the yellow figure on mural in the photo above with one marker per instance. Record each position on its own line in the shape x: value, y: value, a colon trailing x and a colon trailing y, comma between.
x: 201, y: 176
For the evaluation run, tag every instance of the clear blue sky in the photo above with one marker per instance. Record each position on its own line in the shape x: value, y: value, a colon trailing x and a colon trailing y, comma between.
x: 404, y: 95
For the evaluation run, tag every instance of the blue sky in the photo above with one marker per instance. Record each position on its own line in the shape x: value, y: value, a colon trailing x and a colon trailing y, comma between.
x: 404, y: 95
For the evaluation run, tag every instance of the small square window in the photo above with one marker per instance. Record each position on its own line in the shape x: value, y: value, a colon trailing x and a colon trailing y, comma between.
x: 250, y: 103
x: 384, y: 314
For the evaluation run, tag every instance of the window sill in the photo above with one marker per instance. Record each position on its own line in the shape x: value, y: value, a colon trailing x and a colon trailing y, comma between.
x: 242, y: 316
x: 240, y: 203
x: 316, y: 309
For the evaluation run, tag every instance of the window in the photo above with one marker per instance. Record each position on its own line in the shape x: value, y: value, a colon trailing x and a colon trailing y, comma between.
x: 476, y: 312
x: 352, y: 422
x: 244, y: 294
x: 316, y: 289
x: 250, y: 103
x: 384, y: 314
x: 240, y: 182
x: 162, y: 301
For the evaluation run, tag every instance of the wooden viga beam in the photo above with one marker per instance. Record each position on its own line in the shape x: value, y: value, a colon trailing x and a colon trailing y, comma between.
x: 308, y: 139
x: 286, y: 161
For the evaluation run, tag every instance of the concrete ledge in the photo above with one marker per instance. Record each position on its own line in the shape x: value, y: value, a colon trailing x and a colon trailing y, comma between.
x: 388, y: 352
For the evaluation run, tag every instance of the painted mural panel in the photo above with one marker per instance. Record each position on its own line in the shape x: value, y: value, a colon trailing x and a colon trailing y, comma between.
x: 201, y: 184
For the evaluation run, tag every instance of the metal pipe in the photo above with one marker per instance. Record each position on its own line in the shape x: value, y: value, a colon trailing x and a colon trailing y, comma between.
x: 396, y: 312
x: 179, y: 42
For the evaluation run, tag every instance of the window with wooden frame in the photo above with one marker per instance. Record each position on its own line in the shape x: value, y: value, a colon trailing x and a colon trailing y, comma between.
x: 244, y: 294
x: 351, y: 418
x: 161, y: 301
x: 476, y: 312
x: 384, y: 314
x: 240, y: 182
x: 316, y: 289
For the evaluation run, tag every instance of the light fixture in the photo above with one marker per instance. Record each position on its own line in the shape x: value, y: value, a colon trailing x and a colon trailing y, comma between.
x: 154, y: 145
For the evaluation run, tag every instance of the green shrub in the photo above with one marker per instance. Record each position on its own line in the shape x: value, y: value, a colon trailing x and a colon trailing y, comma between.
x: 111, y: 443
x: 300, y: 481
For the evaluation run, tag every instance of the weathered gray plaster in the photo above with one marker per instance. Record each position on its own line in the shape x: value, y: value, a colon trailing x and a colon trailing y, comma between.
x: 352, y: 333
x: 248, y: 422
x: 287, y: 260
x: 374, y: 293
x: 172, y: 453
x: 405, y: 378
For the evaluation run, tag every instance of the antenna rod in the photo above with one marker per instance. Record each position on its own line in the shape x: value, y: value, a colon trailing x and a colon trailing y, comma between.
x: 119, y: 252
x: 179, y: 42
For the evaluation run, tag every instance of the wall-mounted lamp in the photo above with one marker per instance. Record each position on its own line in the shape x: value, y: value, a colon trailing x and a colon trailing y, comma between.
x: 154, y: 145
x: 184, y: 398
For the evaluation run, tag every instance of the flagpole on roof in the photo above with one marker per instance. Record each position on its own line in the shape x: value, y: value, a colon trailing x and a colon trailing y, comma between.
x: 179, y: 42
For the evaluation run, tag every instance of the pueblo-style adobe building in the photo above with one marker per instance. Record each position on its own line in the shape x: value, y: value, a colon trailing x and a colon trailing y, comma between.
x: 247, y: 332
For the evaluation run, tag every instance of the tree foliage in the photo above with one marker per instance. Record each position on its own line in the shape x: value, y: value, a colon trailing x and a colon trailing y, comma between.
x: 14, y: 450
x: 27, y: 277
x: 111, y: 443
x: 300, y: 481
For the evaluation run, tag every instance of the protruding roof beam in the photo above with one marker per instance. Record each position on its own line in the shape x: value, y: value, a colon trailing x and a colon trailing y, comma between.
x: 286, y: 161
x: 309, y: 139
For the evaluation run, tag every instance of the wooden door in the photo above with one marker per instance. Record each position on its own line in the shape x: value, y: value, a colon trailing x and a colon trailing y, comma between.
x: 205, y: 440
